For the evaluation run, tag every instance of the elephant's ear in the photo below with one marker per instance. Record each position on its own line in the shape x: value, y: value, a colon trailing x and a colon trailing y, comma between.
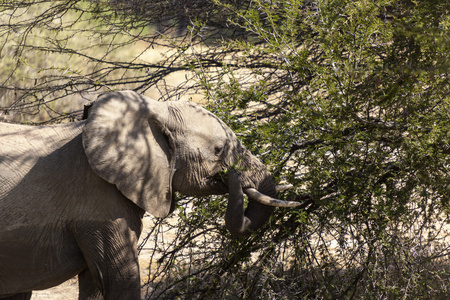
x: 125, y: 145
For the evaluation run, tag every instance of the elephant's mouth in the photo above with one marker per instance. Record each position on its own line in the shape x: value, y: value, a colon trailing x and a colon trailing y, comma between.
x: 210, y: 185
x: 217, y: 183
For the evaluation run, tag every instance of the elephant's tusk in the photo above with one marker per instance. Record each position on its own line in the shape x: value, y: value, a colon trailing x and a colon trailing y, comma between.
x: 282, y: 188
x: 267, y: 200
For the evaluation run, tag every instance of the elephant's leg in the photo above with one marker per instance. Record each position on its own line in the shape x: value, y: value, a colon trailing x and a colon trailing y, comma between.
x: 113, y: 279
x: 112, y: 262
x: 88, y: 290
x: 21, y: 296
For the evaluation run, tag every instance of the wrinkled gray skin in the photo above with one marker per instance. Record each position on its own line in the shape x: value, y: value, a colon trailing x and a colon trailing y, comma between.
x: 72, y: 196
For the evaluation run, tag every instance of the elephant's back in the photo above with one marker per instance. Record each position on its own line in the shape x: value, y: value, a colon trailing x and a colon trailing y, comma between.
x: 24, y: 141
x: 21, y: 146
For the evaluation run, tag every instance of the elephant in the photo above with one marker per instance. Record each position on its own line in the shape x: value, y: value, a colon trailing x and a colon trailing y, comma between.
x: 73, y: 195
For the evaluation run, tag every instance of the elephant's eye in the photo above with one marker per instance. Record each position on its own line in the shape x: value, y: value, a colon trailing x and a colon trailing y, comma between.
x: 218, y: 150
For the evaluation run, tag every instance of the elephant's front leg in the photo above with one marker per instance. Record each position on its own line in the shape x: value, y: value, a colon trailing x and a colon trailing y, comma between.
x: 88, y: 290
x: 112, y: 262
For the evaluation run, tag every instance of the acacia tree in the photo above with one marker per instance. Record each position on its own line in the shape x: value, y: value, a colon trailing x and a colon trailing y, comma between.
x: 347, y: 100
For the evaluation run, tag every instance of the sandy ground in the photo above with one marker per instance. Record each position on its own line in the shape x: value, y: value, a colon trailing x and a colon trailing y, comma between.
x: 68, y: 291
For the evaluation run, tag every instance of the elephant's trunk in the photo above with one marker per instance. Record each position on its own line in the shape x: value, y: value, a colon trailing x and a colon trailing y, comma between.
x: 241, y: 223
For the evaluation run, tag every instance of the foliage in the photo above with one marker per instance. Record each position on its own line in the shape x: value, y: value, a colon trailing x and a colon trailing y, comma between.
x: 347, y: 100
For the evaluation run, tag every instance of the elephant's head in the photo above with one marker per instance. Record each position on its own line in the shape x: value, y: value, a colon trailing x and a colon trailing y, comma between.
x: 150, y: 149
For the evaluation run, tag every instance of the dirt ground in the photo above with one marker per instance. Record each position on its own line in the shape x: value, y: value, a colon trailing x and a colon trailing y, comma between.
x: 67, y: 291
